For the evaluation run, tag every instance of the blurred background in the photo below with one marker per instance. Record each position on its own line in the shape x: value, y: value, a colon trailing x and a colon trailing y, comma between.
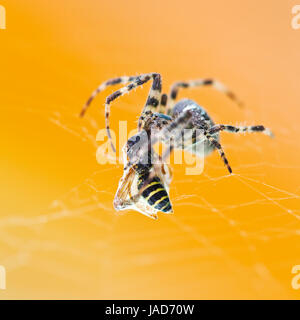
x: 230, y: 236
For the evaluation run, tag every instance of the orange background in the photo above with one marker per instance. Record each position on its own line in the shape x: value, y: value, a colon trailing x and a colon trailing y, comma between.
x: 230, y: 236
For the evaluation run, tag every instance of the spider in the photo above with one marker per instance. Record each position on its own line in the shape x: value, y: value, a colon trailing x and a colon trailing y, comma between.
x: 144, y: 186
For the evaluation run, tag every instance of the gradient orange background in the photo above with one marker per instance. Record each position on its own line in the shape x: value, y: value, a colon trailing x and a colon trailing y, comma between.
x: 231, y: 236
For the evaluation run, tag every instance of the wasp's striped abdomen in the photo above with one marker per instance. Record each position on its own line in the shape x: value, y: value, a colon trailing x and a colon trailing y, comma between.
x: 155, y: 194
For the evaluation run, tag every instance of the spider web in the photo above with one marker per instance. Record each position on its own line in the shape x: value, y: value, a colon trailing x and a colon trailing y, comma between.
x: 207, y: 220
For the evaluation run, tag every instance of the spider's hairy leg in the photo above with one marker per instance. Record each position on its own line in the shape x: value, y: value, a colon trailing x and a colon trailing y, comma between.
x: 200, y: 83
x: 103, y: 86
x: 152, y: 101
x: 241, y: 129
x: 163, y: 103
x: 218, y: 146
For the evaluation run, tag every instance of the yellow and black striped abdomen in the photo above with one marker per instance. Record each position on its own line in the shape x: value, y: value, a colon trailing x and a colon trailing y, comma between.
x: 156, y: 195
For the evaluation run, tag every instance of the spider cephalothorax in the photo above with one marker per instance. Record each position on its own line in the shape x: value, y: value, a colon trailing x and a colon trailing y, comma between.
x: 162, y: 119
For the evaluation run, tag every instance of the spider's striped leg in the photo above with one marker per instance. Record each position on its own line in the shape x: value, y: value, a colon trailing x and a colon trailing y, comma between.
x: 199, y: 83
x: 218, y: 146
x: 102, y: 87
x: 241, y: 129
x: 152, y: 101
x: 163, y: 103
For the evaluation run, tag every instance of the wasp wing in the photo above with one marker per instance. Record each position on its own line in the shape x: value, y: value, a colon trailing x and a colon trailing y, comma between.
x: 123, y: 197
